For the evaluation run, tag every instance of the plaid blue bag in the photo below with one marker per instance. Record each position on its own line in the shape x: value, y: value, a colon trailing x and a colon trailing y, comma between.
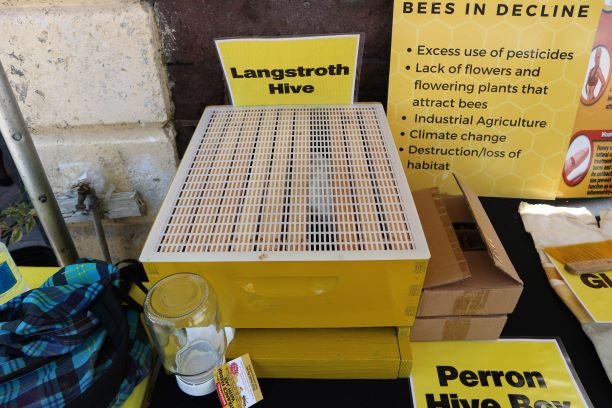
x: 71, y: 343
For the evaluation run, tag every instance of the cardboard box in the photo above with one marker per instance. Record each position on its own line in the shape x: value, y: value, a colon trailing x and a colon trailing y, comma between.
x: 457, y: 328
x: 470, y: 283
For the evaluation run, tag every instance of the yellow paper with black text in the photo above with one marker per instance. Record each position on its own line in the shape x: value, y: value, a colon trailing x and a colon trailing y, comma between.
x: 593, y: 291
x: 318, y: 70
x: 488, y: 90
x: 493, y: 374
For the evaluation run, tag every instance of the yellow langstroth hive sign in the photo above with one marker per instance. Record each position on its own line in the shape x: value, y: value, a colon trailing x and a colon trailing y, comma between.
x: 289, y: 71
x: 488, y: 90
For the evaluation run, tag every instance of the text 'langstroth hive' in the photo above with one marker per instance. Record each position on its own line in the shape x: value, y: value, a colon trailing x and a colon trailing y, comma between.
x: 299, y: 216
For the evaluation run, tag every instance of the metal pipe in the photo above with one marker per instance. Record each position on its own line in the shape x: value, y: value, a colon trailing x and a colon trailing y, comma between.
x: 94, y: 208
x: 87, y: 194
x: 22, y: 150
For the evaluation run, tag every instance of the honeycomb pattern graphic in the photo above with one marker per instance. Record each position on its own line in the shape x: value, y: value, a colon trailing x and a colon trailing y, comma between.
x: 536, y: 172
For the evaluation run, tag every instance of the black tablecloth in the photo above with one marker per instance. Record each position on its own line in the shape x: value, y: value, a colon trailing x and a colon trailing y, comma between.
x: 539, y: 313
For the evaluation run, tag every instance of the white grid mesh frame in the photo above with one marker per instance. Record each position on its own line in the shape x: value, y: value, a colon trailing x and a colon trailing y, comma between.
x: 288, y: 183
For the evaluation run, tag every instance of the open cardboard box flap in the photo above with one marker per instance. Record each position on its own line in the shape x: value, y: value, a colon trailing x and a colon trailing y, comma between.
x: 460, y: 282
x: 447, y: 263
x: 494, y: 246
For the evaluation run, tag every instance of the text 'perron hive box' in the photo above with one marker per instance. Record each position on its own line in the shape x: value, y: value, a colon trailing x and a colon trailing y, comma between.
x: 298, y: 216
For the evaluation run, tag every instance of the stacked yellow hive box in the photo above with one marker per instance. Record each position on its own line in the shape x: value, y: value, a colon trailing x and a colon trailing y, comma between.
x: 300, y: 217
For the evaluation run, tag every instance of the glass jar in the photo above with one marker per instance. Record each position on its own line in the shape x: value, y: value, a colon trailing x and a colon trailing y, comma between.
x: 182, y: 316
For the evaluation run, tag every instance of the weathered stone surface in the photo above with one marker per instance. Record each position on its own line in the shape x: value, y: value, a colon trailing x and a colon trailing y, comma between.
x: 374, y: 80
x: 124, y: 241
x: 189, y: 27
x: 91, y: 83
x: 184, y: 131
x: 132, y: 159
x: 118, y: 206
x: 194, y: 86
x: 82, y: 64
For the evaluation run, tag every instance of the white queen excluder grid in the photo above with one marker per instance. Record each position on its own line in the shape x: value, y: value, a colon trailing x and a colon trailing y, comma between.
x: 288, y: 183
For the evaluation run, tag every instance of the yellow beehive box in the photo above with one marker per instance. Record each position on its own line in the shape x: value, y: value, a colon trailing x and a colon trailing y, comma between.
x: 298, y: 216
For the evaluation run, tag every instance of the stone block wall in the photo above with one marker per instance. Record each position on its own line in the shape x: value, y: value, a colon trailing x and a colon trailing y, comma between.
x: 107, y: 82
x: 90, y: 80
